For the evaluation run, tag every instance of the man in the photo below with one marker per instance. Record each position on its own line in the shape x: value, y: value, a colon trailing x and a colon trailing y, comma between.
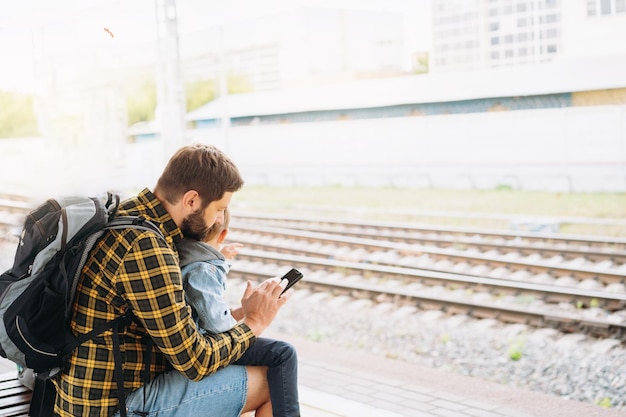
x: 136, y: 270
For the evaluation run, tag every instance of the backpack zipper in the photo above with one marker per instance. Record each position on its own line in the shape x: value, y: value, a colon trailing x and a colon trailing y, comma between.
x: 17, y: 325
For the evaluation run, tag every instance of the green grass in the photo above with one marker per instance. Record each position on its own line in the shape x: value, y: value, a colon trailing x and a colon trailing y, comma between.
x: 516, y: 348
x: 471, y: 208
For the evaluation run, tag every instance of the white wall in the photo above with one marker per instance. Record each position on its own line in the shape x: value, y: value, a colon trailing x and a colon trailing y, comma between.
x: 585, y: 36
x: 577, y: 149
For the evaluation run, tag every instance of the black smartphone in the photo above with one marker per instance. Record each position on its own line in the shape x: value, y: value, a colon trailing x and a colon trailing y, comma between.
x: 292, y: 277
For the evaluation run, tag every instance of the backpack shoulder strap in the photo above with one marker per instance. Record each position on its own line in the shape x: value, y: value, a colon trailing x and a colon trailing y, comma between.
x: 121, y: 222
x: 135, y: 222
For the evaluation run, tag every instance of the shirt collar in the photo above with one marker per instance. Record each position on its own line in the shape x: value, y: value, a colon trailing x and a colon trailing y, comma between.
x: 147, y: 205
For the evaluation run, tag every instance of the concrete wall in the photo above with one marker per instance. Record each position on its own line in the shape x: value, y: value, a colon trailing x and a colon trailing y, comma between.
x: 567, y: 149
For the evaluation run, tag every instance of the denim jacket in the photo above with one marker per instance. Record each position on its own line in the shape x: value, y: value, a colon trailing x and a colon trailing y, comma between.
x: 204, y: 270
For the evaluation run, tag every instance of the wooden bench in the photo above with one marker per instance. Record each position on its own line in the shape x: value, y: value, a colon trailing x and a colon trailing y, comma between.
x: 14, y: 397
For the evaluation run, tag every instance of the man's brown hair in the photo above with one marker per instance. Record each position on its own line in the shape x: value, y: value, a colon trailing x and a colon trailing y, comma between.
x: 199, y: 167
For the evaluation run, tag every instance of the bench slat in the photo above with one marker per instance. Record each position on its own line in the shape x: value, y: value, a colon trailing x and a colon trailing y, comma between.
x: 10, y: 384
x: 22, y: 398
x: 14, y: 397
x: 8, y: 376
x: 11, y: 392
x: 20, y: 410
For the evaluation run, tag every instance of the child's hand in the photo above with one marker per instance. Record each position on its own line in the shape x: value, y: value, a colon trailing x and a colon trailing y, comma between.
x: 231, y: 250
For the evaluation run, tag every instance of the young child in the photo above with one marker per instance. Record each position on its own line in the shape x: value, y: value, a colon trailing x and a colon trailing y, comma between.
x: 204, y: 266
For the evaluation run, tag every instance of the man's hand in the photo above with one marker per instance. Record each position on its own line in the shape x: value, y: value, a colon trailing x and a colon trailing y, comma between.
x: 261, y: 304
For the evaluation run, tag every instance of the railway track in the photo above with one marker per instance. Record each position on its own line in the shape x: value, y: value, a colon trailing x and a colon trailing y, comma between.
x: 596, y: 313
x: 569, y: 246
x: 572, y: 283
x: 575, y: 290
x: 581, y: 271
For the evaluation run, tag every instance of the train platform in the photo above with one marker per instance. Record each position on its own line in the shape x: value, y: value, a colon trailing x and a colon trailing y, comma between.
x: 337, y: 382
x: 341, y: 382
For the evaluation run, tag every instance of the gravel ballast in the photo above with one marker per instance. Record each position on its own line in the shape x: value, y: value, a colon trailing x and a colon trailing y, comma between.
x: 571, y: 366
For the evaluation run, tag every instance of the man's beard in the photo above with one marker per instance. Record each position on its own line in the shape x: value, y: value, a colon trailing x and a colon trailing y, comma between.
x: 194, y: 227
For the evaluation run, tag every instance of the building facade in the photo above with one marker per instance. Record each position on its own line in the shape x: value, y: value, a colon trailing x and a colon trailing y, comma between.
x: 470, y: 35
x: 480, y: 34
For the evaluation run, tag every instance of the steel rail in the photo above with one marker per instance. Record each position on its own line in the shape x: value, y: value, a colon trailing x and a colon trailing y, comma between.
x: 548, y: 293
x: 391, y: 230
x: 603, y: 275
x: 453, y: 305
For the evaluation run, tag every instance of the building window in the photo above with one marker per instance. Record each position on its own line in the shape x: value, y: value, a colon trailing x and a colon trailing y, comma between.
x: 605, y: 7
x: 551, y: 18
x: 591, y: 7
x: 522, y: 52
x: 495, y: 40
x: 551, y: 49
x: 508, y: 53
x: 494, y: 26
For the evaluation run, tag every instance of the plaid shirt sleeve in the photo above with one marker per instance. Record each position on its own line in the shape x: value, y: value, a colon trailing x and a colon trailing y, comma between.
x: 150, y: 281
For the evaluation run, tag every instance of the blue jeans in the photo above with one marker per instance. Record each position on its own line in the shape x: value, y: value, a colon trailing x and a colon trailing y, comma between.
x: 282, y: 374
x: 170, y: 394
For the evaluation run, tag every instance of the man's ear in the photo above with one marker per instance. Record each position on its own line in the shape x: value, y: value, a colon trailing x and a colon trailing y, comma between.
x: 191, y: 201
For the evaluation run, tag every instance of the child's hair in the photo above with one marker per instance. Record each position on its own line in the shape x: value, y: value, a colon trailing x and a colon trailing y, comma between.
x: 217, y: 228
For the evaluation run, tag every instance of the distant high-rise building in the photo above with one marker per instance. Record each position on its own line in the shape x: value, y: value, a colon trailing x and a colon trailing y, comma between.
x: 479, y: 34
x: 491, y: 33
x: 605, y: 7
x: 594, y: 28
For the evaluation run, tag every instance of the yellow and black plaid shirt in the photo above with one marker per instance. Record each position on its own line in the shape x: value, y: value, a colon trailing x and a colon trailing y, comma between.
x: 137, y: 270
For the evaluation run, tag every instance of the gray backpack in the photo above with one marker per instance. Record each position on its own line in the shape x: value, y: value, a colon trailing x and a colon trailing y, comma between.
x: 37, y: 292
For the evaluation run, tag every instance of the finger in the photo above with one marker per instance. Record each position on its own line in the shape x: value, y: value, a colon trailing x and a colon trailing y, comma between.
x: 273, y: 280
x: 278, y: 287
x: 248, y: 289
x: 284, y: 297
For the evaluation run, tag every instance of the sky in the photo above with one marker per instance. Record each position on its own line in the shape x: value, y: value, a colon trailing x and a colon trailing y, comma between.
x: 72, y: 29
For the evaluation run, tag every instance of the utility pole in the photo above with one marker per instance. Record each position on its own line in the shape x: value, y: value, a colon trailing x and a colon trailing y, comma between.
x: 223, y: 83
x: 171, y: 106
